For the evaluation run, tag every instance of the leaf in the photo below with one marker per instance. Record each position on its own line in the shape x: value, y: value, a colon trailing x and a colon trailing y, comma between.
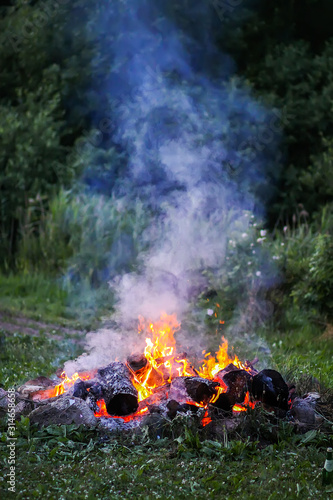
x: 308, y: 437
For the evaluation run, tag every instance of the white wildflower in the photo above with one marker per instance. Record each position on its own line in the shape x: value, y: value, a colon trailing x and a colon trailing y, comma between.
x: 210, y: 312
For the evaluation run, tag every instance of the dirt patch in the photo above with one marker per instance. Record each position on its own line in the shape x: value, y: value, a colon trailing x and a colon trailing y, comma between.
x: 12, y: 323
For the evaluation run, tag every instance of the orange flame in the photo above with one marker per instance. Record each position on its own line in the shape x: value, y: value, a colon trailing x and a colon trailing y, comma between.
x: 66, y: 383
x: 213, y: 364
x: 163, y: 364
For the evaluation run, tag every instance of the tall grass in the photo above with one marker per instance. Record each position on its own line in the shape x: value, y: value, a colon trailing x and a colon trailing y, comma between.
x: 87, y: 236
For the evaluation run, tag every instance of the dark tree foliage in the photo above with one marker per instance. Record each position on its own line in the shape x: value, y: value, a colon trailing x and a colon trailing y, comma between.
x: 285, y: 50
x: 57, y: 61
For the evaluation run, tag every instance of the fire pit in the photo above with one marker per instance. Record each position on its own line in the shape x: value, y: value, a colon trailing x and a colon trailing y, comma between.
x: 126, y: 394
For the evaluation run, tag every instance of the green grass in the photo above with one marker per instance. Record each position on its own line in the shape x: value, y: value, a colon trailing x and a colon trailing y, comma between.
x: 23, y: 357
x: 57, y: 463
x: 34, y: 295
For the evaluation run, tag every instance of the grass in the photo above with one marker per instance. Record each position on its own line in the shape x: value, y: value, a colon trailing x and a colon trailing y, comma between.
x: 35, y: 296
x: 47, y: 299
x: 23, y: 357
x: 55, y: 463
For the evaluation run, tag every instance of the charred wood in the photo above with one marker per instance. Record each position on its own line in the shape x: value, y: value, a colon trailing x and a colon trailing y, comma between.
x: 269, y: 387
x: 80, y: 390
x: 136, y: 362
x: 237, y: 382
x: 119, y: 393
x: 197, y: 389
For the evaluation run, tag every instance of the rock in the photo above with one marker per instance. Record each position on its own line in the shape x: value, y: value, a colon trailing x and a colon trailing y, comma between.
x: 23, y: 408
x: 303, y: 412
x: 64, y: 410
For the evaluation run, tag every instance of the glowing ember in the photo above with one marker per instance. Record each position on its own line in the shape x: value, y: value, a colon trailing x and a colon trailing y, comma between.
x: 206, y: 419
x: 238, y: 408
x: 102, y: 412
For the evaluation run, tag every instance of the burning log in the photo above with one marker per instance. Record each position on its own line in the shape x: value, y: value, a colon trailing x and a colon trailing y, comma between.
x: 198, y: 389
x: 119, y: 393
x: 229, y: 368
x: 32, y: 387
x: 237, y: 383
x: 136, y: 362
x: 269, y: 387
x: 159, y: 397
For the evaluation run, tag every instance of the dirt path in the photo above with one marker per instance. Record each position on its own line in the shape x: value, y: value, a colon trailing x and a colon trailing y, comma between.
x: 16, y: 322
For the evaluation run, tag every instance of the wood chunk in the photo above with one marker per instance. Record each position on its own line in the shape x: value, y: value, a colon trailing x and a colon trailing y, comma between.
x: 269, y: 387
x: 196, y: 389
x: 28, y: 389
x: 159, y: 397
x: 201, y: 390
x: 80, y: 390
x: 223, y: 403
x: 237, y: 383
x: 229, y: 368
x: 136, y: 362
x: 119, y: 393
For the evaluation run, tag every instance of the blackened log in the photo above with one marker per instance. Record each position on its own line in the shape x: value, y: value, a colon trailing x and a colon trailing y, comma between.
x: 136, y: 362
x: 200, y: 389
x: 237, y: 382
x: 174, y: 407
x: 269, y: 387
x: 36, y: 386
x: 229, y: 368
x: 80, y: 390
x: 197, y: 389
x: 119, y: 393
x: 223, y: 403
